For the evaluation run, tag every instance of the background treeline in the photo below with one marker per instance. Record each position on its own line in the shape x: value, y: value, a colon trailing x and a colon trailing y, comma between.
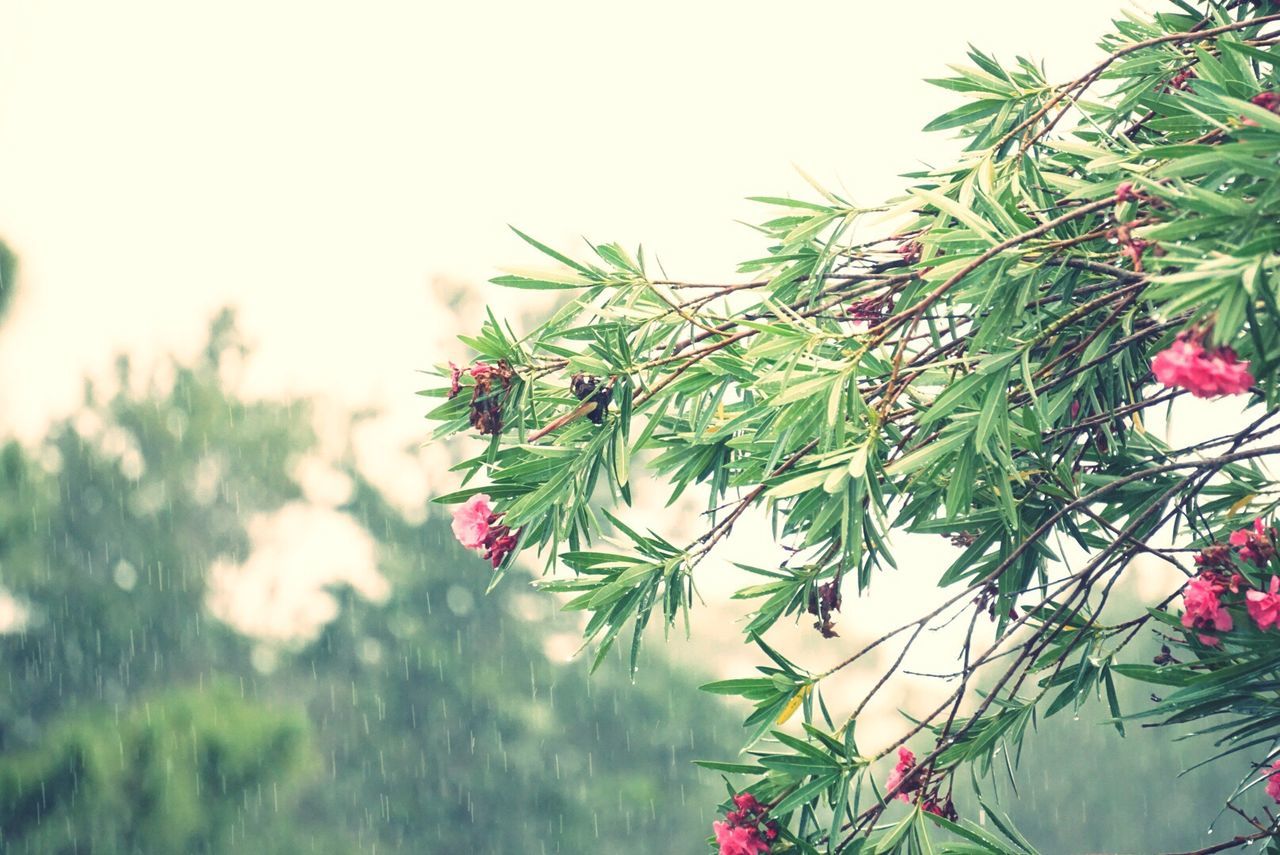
x: 132, y: 721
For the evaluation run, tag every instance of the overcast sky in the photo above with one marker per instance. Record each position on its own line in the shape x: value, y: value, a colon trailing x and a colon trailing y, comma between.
x: 318, y: 164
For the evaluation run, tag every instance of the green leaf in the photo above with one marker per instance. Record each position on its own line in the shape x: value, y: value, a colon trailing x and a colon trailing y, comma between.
x: 959, y: 212
x: 804, y: 793
x: 925, y: 455
x: 731, y: 768
x: 542, y: 283
x: 894, y: 838
x: 546, y: 250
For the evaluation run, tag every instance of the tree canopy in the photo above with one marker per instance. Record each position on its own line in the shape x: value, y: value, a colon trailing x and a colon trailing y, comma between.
x: 984, y: 358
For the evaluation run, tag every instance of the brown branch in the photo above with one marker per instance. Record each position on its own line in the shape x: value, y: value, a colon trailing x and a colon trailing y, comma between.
x: 1090, y: 76
x: 1238, y: 840
x: 585, y: 408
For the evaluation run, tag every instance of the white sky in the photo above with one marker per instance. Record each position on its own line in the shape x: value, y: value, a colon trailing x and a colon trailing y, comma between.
x: 318, y: 164
x: 321, y: 164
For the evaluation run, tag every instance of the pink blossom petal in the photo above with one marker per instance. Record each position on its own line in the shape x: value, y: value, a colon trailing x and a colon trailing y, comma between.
x: 471, y: 521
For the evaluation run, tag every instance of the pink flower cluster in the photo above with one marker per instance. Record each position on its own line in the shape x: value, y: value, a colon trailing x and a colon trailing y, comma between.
x: 869, y: 310
x: 1203, y: 609
x: 1267, y: 100
x: 1202, y: 599
x: 1264, y: 606
x: 476, y: 526
x: 1126, y: 193
x: 1203, y: 595
x: 1180, y: 81
x: 906, y: 762
x: 910, y: 251
x: 1255, y: 544
x: 1205, y: 373
x: 1273, y: 782
x: 1133, y: 248
x: 740, y: 833
x: 904, y: 771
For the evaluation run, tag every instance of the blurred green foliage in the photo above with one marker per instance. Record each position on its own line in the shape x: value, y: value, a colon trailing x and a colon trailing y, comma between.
x: 158, y: 779
x: 133, y: 721
x: 8, y: 277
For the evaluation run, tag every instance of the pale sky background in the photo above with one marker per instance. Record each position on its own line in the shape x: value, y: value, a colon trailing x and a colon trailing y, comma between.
x: 318, y: 164
x: 333, y: 168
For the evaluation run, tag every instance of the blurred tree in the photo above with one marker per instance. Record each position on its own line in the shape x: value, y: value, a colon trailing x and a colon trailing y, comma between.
x: 115, y: 522
x: 8, y: 277
x: 185, y: 771
x: 432, y: 722
x: 458, y: 732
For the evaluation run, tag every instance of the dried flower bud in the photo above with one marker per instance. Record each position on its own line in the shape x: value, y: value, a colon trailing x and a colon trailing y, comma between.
x: 586, y: 387
x: 455, y: 380
x: 488, y: 395
x: 823, y: 600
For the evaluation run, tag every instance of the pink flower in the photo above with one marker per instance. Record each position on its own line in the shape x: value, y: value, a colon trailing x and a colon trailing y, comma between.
x: 906, y: 762
x: 1181, y: 80
x: 1254, y: 544
x: 1203, y: 609
x: 1264, y: 606
x: 740, y: 833
x: 738, y: 839
x: 1125, y: 192
x: 1273, y: 782
x: 471, y: 521
x: 1172, y: 366
x: 1205, y: 374
x: 910, y: 251
x: 869, y: 310
x: 1267, y: 100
